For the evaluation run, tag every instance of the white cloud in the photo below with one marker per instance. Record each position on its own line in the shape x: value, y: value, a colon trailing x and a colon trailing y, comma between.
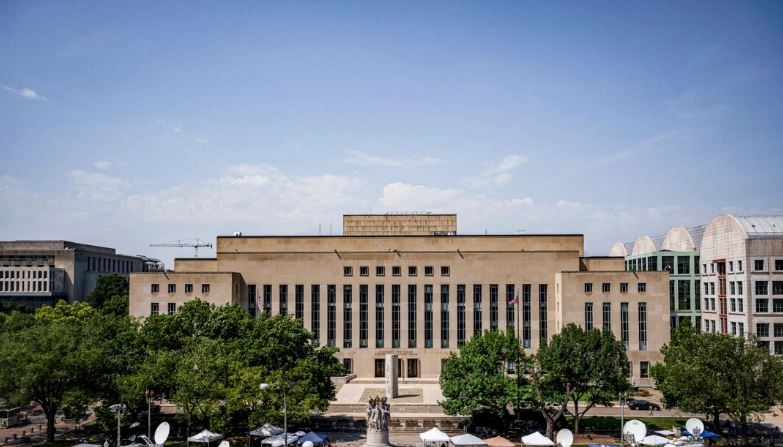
x: 570, y: 204
x: 496, y: 174
x: 96, y: 186
x: 25, y: 92
x: 102, y: 164
x: 362, y: 158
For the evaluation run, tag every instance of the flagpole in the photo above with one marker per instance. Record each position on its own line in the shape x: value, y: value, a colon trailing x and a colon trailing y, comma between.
x: 519, y: 345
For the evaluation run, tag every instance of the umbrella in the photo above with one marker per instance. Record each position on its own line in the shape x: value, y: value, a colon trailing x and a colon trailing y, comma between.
x: 655, y: 440
x: 498, y: 441
x: 434, y: 435
x: 467, y: 439
x: 536, y: 438
x: 205, y: 436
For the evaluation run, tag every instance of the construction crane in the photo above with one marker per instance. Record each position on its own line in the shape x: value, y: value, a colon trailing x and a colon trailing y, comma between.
x: 195, y: 243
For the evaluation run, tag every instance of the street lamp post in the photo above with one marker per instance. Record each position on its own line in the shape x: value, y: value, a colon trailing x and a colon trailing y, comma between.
x: 622, y: 418
x: 266, y: 386
x: 150, y: 395
x: 118, y: 408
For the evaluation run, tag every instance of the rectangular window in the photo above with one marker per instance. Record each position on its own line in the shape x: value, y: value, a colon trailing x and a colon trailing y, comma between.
x: 428, y: 316
x: 188, y: 288
x: 379, y: 329
x: 684, y: 294
x: 172, y: 288
x: 444, y: 316
x: 511, y: 303
x: 154, y: 288
x: 641, y: 287
x: 396, y: 312
x: 413, y: 367
x: 777, y: 305
x: 762, y: 329
x: 347, y: 316
x: 778, y: 329
x: 380, y: 271
x: 683, y: 265
x: 543, y: 330
x: 283, y: 299
x: 761, y: 287
x: 172, y: 308
x: 706, y: 288
x: 267, y: 298
x: 588, y: 316
x: 740, y: 307
x: 644, y: 370
x: 733, y: 306
x: 758, y: 265
x: 299, y: 301
x: 588, y: 287
x: 429, y: 270
x: 732, y: 289
x: 606, y: 287
x: 348, y: 366
x: 642, y: 326
x: 444, y: 270
x: 778, y: 264
x: 461, y: 330
x: 412, y: 311
x: 778, y: 347
x: 494, y: 311
x: 364, y: 270
x: 331, y: 314
x: 712, y: 288
x: 380, y: 367
x: 315, y: 311
x: 347, y: 271
x: 527, y: 311
x: 364, y: 315
x: 205, y: 288
x: 623, y: 287
x: 154, y: 309
x: 731, y: 266
x: 624, y: 330
x: 412, y: 270
x: 396, y: 270
x: 607, y: 316
x: 762, y: 305
x: 477, y: 323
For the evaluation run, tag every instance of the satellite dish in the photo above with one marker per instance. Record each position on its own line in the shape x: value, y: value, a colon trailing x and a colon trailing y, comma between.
x: 695, y: 427
x: 635, y: 428
x: 307, y: 444
x: 162, y: 433
x: 564, y: 437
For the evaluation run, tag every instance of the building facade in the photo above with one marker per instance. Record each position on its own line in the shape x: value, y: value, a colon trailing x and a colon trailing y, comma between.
x: 742, y: 276
x: 418, y: 296
x: 37, y: 273
x: 677, y: 253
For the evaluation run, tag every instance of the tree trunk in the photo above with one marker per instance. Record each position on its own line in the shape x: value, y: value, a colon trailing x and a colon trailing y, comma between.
x: 716, y: 421
x: 51, y: 414
x: 576, y: 417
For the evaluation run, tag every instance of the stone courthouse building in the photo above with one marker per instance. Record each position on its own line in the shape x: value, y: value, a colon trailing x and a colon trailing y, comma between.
x: 409, y: 284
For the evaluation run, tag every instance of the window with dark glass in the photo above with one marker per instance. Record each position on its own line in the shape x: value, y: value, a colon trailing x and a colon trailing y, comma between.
x: 527, y: 315
x: 607, y: 316
x: 364, y: 270
x: 429, y: 270
x: 606, y: 287
x: 543, y: 332
x: 283, y: 299
x: 624, y: 330
x: 623, y: 287
x: 494, y: 311
x: 477, y: 323
x: 510, y: 309
x: 331, y: 315
x: 380, y: 270
x: 267, y: 298
x: 154, y: 309
x: 444, y: 316
x: 172, y: 288
x: 379, y: 320
x: 762, y: 305
x: 428, y: 319
x: 444, y: 270
x: 188, y: 288
x: 347, y: 271
x: 588, y: 316
x: 758, y: 264
x: 315, y: 311
x: 412, y: 270
x: 641, y: 287
x: 412, y: 315
x: 172, y: 308
x: 642, y: 326
x: 777, y: 287
x: 347, y: 316
x: 380, y: 367
x: 461, y: 333
x: 154, y: 288
x: 683, y: 265
x: 205, y: 288
x: 588, y: 287
x: 348, y: 366
x: 364, y: 315
x: 395, y: 299
x: 396, y: 270
x: 762, y: 329
x: 761, y: 287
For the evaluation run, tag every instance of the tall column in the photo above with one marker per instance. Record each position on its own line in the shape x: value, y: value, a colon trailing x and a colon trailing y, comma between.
x: 391, y: 376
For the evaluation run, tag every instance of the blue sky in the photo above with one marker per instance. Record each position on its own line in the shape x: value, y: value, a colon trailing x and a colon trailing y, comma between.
x: 124, y: 124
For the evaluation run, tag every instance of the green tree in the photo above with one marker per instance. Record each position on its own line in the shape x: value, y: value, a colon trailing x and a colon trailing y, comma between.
x: 53, y: 358
x: 108, y: 286
x: 587, y: 368
x: 715, y: 374
x: 477, y: 377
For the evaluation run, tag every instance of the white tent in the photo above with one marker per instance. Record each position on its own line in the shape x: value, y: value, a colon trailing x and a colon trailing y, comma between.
x: 434, y: 435
x: 277, y: 440
x: 536, y: 438
x: 655, y: 440
x: 205, y: 436
x: 467, y: 440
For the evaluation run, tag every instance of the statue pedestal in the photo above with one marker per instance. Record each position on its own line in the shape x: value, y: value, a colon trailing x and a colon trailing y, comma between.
x: 377, y: 439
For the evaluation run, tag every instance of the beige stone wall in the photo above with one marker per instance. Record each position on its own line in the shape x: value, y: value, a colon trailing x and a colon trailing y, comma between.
x: 603, y: 264
x: 399, y: 224
x: 224, y: 288
x: 195, y: 265
x: 571, y: 298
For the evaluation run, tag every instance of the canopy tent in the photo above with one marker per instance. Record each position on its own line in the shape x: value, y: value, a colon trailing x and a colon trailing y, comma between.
x: 205, y: 436
x: 655, y: 440
x: 498, y: 441
x: 664, y: 432
x: 316, y: 438
x: 434, y: 435
x: 467, y: 440
x: 277, y: 440
x: 536, y: 438
x: 706, y: 434
x: 266, y: 431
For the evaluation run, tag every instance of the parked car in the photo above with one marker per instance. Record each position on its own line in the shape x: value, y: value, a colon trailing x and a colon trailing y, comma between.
x: 639, y: 404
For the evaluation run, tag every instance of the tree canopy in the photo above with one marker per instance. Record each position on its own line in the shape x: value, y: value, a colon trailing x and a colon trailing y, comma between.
x: 715, y: 374
x: 108, y: 287
x: 477, y: 377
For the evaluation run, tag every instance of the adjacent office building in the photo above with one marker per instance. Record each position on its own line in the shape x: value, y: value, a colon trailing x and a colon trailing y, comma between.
x: 408, y: 284
x: 37, y: 273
